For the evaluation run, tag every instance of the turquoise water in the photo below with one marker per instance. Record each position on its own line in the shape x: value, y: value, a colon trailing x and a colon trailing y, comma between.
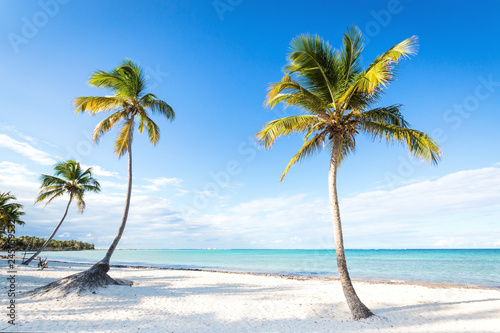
x: 472, y: 267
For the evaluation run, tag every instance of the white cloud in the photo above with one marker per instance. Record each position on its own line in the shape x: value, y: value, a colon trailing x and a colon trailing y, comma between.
x: 99, y: 171
x: 158, y: 183
x: 14, y: 168
x: 259, y: 222
x: 13, y: 129
x: 450, y: 242
x: 457, y: 210
x: 161, y: 181
x: 26, y: 150
x: 17, y: 179
x: 415, y: 215
x: 453, y: 194
x: 181, y: 192
x: 105, y: 184
x: 418, y: 215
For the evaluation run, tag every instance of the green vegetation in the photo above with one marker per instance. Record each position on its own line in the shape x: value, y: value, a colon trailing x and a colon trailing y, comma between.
x: 10, y: 213
x: 22, y: 242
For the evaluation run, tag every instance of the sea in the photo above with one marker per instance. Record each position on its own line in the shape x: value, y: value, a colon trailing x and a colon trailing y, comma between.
x: 478, y: 267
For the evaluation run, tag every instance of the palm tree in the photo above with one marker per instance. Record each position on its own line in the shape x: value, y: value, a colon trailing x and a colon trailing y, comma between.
x: 337, y: 96
x: 69, y: 179
x: 130, y: 105
x: 10, y: 213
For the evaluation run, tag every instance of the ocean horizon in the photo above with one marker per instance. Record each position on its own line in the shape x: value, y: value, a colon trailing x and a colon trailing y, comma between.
x: 477, y: 267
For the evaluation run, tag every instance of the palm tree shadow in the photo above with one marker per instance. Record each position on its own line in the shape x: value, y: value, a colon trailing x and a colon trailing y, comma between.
x: 428, y: 305
x: 440, y: 311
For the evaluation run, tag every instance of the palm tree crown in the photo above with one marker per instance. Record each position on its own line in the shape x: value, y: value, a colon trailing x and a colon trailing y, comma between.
x: 10, y: 213
x: 128, y: 82
x: 336, y: 93
x: 70, y: 179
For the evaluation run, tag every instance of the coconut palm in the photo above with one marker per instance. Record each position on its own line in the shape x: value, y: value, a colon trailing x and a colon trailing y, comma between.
x: 338, y: 96
x: 10, y: 213
x: 69, y: 179
x: 131, y: 106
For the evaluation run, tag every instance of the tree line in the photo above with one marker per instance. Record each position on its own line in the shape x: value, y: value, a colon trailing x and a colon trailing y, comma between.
x: 21, y: 243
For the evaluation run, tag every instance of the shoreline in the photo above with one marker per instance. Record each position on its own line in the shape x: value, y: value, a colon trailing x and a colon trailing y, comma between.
x: 297, y: 277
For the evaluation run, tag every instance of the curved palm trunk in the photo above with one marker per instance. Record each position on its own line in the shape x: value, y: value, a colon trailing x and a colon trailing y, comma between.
x: 358, y: 309
x: 107, y: 257
x: 27, y: 262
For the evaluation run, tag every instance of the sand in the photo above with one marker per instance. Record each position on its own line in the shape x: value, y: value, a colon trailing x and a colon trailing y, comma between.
x: 199, y: 301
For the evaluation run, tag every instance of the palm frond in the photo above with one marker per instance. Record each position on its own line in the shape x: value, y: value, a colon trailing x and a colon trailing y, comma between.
x: 293, y: 94
x: 48, y: 181
x: 381, y: 71
x: 351, y: 53
x: 7, y: 196
x: 316, y: 64
x: 107, y: 123
x: 96, y: 187
x: 153, y: 130
x: 285, y: 126
x: 309, y: 148
x: 78, y: 196
x: 390, y: 115
x: 112, y: 80
x: 160, y: 107
x: 134, y: 77
x: 64, y: 169
x: 419, y: 144
x: 96, y: 104
x: 124, y: 138
x: 50, y: 194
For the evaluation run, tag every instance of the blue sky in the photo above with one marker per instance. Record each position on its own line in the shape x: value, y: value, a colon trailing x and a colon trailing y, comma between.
x: 206, y: 184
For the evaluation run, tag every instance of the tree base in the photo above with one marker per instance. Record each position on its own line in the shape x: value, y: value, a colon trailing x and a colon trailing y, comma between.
x: 361, y: 312
x: 94, y: 278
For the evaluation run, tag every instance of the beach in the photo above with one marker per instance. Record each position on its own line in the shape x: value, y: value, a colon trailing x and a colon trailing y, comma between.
x: 166, y: 300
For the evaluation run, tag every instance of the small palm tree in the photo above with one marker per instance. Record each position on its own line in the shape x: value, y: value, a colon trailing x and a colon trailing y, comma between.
x: 131, y: 105
x: 69, y: 179
x: 337, y: 96
x: 10, y: 213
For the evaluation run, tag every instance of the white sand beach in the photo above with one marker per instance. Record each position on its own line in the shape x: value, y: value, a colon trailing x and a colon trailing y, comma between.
x: 199, y: 301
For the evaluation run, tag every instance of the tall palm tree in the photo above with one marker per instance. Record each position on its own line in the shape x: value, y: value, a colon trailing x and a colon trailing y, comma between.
x: 10, y: 213
x: 130, y: 105
x: 69, y: 179
x: 337, y: 96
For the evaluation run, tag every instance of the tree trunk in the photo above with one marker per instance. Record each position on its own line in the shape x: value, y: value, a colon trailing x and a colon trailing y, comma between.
x: 105, y: 261
x: 27, y: 262
x: 358, y: 309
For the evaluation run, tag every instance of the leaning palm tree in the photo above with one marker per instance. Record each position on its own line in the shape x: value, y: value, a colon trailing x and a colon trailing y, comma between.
x: 69, y: 179
x: 130, y: 105
x: 10, y: 213
x: 337, y: 96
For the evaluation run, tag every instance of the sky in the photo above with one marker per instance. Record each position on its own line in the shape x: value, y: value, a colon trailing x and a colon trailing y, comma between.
x: 207, y: 184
